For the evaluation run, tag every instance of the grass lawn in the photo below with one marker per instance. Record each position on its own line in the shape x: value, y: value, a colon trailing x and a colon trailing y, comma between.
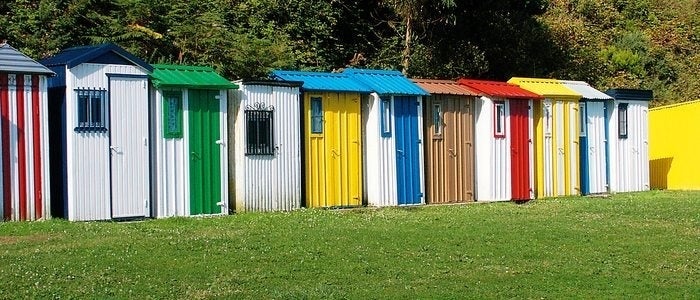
x: 624, y: 246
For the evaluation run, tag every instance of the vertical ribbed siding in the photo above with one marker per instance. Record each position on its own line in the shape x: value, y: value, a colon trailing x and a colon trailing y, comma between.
x: 492, y: 154
x: 333, y: 157
x: 449, y: 157
x: 24, y: 192
x: 595, y: 166
x: 269, y: 182
x: 380, y: 160
x: 521, y: 149
x: 629, y: 168
x: 87, y: 153
x: 407, y: 134
x: 170, y: 164
x: 128, y: 130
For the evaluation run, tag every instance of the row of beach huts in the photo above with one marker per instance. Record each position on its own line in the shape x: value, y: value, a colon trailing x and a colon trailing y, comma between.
x: 95, y: 133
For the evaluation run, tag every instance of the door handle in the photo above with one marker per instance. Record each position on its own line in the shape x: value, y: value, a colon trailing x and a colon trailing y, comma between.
x: 115, y: 149
x: 452, y: 153
x: 335, y: 152
x: 195, y: 155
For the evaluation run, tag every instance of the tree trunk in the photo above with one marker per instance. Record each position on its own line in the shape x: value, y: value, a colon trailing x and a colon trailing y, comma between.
x: 406, y: 55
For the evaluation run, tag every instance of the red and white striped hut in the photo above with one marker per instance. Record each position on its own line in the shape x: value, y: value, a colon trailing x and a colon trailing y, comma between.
x: 24, y: 155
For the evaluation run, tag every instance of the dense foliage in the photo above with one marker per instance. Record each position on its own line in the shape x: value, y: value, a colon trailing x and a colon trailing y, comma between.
x: 609, y: 43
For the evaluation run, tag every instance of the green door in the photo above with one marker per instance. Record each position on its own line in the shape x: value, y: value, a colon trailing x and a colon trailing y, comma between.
x: 205, y: 152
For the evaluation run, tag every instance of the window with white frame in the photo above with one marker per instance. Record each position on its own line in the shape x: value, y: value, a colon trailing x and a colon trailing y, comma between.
x: 92, y: 110
x: 622, y: 120
x: 316, y: 115
x: 259, y: 130
x: 547, y: 119
x: 437, y: 119
x: 385, y: 108
x: 499, y: 119
x: 582, y: 119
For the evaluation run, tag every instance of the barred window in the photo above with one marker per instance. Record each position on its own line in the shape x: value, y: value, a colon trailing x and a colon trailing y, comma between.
x: 259, y: 131
x: 92, y: 110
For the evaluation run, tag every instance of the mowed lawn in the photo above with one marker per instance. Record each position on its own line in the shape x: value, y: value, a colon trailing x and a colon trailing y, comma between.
x: 624, y: 246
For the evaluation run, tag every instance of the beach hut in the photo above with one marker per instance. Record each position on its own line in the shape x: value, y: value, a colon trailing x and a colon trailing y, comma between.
x: 504, y: 134
x: 628, y: 136
x: 448, y: 132
x: 556, y: 120
x: 593, y: 145
x: 392, y: 115
x: 98, y: 105
x: 332, y: 137
x: 24, y: 144
x: 673, y: 139
x: 265, y: 115
x: 189, y: 128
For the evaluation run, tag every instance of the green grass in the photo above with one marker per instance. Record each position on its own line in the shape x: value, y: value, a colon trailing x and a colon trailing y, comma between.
x: 624, y: 246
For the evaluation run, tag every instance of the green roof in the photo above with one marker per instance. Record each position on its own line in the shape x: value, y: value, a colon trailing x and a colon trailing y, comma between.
x: 165, y: 76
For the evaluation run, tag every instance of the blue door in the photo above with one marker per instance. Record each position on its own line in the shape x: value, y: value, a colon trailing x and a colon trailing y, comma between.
x: 407, y: 147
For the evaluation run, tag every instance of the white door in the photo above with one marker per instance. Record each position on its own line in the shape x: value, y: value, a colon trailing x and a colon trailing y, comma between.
x: 128, y: 98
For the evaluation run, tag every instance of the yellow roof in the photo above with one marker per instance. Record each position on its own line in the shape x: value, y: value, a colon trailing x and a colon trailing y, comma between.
x: 545, y: 87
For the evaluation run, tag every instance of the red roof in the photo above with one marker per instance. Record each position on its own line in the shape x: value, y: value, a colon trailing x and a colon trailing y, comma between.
x: 498, y: 89
x: 448, y: 87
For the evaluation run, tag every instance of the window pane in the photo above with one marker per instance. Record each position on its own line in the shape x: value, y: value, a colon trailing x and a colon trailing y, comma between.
x: 386, y: 117
x: 96, y: 111
x: 437, y: 119
x: 316, y: 115
x: 582, y: 119
x: 622, y: 120
x: 500, y: 118
x: 83, y: 108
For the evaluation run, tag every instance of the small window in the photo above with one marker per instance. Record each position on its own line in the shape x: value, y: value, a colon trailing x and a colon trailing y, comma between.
x: 316, y: 115
x: 582, y: 119
x: 499, y: 119
x: 386, y: 117
x: 259, y: 130
x: 92, y: 111
x: 548, y: 119
x: 622, y: 120
x: 437, y: 119
x: 172, y: 115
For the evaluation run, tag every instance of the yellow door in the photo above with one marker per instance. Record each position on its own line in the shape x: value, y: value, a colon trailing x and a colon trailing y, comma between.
x: 333, y: 149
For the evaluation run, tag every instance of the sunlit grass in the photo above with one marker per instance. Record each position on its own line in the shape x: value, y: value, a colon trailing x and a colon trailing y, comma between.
x: 623, y: 246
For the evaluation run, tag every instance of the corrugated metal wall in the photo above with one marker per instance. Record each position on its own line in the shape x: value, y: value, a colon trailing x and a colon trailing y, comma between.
x: 593, y: 160
x: 24, y: 169
x: 170, y: 164
x: 333, y: 157
x: 493, y: 155
x: 270, y: 182
x: 408, y: 132
x: 449, y: 154
x: 629, y: 157
x: 129, y: 147
x: 556, y: 148
x: 87, y: 153
x: 521, y: 168
x: 380, y: 157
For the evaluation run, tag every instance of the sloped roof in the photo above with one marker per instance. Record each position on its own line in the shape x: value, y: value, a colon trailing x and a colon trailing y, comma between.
x: 631, y: 94
x: 322, y: 81
x: 188, y: 77
x: 385, y: 82
x: 13, y: 61
x: 586, y: 91
x: 72, y: 57
x: 545, y: 87
x: 446, y: 87
x: 498, y: 89
x: 270, y: 82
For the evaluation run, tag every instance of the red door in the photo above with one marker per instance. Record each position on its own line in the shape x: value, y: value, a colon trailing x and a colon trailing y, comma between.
x: 520, y: 149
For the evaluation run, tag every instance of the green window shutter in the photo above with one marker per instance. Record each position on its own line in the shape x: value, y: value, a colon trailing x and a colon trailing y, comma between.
x: 172, y: 115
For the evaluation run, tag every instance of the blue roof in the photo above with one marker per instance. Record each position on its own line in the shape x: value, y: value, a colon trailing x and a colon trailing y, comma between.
x: 103, y: 53
x: 631, y: 94
x: 386, y: 82
x: 14, y: 61
x: 322, y: 81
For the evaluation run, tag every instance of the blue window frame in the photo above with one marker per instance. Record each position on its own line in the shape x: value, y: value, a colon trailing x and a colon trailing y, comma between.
x: 316, y: 115
x: 91, y: 110
x: 385, y: 118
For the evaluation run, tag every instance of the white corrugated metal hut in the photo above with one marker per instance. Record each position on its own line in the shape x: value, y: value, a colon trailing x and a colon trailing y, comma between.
x: 393, y: 125
x: 628, y: 133
x: 265, y: 119
x: 504, y: 134
x: 100, y: 99
x: 190, y: 161
x: 24, y: 169
x: 592, y: 137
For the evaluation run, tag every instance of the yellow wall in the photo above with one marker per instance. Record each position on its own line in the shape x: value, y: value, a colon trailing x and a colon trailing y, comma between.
x: 333, y: 158
x: 674, y: 140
